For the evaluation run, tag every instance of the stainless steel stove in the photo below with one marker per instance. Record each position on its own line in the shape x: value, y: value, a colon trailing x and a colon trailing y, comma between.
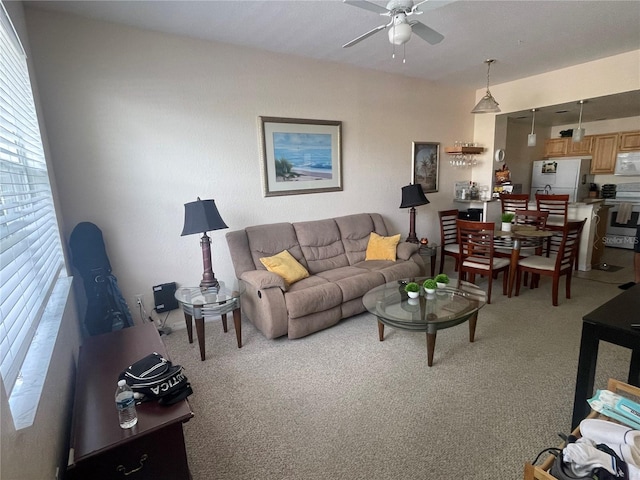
x: 624, y: 216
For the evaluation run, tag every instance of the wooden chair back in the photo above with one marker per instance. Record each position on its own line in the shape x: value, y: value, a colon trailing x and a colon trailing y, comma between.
x: 448, y: 236
x: 534, y: 218
x: 556, y: 205
x: 476, y: 240
x: 514, y: 201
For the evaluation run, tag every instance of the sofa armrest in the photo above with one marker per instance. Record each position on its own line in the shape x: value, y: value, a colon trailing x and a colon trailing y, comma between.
x: 262, y: 279
x: 405, y: 250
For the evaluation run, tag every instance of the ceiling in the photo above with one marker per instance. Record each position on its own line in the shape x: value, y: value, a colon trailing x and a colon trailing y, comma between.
x: 526, y: 37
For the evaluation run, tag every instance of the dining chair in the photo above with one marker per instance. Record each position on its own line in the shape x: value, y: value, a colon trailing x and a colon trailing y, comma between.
x: 514, y: 201
x: 556, y: 205
x: 449, y: 237
x: 554, y: 266
x: 476, y: 240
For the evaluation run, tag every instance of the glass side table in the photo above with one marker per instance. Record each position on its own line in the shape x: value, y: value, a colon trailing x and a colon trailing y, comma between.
x: 430, y: 251
x: 198, y: 303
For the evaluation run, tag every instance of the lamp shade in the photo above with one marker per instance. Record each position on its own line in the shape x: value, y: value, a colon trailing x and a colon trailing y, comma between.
x: 412, y: 196
x: 201, y: 216
x: 487, y: 104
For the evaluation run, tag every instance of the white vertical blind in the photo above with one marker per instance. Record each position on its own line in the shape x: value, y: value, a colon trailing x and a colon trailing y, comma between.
x: 30, y: 250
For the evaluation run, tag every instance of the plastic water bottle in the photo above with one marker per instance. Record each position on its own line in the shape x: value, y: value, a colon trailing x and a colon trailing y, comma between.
x: 126, y: 405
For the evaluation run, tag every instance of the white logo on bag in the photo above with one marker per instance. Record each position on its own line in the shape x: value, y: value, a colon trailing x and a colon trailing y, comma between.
x: 169, y: 384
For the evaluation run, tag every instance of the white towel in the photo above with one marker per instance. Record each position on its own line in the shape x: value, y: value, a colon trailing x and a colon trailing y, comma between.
x: 624, y: 212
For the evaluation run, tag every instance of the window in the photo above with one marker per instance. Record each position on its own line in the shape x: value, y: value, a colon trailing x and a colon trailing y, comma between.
x: 31, y: 259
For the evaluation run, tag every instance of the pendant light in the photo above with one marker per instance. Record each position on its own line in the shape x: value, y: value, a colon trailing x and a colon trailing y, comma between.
x: 578, y: 133
x: 487, y: 104
x: 531, y: 138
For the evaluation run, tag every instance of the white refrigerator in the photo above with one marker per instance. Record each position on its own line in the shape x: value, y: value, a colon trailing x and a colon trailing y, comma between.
x: 558, y: 176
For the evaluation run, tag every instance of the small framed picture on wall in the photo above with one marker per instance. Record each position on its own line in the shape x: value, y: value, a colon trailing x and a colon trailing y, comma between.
x: 425, y: 166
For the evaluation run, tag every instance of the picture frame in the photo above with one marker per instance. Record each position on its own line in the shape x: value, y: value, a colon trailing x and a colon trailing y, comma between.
x: 300, y: 155
x: 425, y: 165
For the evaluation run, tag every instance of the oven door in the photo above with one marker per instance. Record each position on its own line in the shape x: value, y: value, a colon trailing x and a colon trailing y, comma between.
x: 622, y: 235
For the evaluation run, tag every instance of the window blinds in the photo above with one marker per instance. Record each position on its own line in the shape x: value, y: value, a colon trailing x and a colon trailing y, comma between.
x: 31, y: 256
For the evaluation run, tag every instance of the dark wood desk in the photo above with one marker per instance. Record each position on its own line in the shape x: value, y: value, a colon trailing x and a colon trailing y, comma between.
x: 153, y: 449
x: 611, y: 323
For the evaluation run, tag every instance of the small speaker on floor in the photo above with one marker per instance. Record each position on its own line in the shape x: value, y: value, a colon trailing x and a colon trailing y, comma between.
x: 164, y: 297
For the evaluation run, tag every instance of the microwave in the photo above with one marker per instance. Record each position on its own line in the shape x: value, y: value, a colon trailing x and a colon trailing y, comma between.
x: 627, y: 163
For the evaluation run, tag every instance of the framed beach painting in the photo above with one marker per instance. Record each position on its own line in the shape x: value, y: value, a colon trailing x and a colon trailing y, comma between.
x: 300, y: 156
x: 424, y: 168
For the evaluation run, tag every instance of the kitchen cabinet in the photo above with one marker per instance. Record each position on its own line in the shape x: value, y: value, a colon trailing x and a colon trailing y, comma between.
x: 630, y: 141
x: 566, y: 147
x: 581, y: 148
x: 603, y: 153
x: 556, y: 147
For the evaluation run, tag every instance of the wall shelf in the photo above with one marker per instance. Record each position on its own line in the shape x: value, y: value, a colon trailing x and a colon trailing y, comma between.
x: 464, y: 150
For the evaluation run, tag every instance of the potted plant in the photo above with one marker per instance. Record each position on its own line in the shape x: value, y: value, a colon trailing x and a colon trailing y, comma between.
x: 430, y: 285
x: 442, y: 280
x: 506, y: 221
x: 412, y: 289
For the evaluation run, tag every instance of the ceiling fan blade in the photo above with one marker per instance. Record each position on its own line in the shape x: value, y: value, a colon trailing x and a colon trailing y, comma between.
x: 429, y: 35
x: 372, y: 7
x: 364, y: 35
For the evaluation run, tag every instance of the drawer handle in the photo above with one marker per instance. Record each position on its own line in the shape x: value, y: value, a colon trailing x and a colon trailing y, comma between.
x: 122, y: 469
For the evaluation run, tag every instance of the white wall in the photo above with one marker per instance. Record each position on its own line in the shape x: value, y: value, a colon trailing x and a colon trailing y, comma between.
x: 141, y: 123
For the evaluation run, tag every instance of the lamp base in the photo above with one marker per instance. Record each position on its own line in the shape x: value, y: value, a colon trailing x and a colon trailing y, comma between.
x: 208, y: 278
x: 210, y: 283
x: 412, y: 238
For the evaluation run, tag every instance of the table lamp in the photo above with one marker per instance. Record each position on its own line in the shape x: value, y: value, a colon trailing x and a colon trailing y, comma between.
x: 202, y: 216
x: 413, y: 196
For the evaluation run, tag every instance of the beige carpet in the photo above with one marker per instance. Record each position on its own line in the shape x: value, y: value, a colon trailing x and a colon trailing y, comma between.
x: 339, y: 404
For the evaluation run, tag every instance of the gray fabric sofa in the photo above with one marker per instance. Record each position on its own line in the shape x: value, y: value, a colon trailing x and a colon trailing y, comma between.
x: 333, y: 251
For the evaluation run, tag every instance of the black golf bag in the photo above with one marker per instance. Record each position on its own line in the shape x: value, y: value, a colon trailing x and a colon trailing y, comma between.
x: 107, y: 309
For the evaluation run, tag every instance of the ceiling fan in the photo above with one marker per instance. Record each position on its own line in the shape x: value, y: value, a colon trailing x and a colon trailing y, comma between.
x: 400, y: 26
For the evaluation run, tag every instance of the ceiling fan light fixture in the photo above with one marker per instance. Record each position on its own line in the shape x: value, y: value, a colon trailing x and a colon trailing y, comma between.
x: 487, y: 104
x: 400, y: 33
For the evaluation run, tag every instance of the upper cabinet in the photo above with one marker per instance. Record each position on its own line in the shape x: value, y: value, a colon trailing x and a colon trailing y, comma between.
x: 565, y: 146
x: 629, y: 141
x: 556, y: 147
x: 603, y: 153
x: 581, y: 148
x: 602, y: 148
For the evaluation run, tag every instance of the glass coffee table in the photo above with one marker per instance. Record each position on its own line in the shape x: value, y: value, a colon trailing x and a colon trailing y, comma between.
x: 448, y: 307
x: 198, y: 303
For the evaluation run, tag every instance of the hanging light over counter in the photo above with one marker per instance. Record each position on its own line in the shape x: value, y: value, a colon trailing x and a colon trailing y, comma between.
x: 487, y: 104
x: 578, y: 133
x: 531, y: 138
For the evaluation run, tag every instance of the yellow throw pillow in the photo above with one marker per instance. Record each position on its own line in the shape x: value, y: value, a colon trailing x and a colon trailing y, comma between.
x: 382, y: 248
x: 285, y: 265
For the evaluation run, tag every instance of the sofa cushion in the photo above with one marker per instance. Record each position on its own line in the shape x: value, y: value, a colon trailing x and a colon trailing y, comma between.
x: 268, y: 240
x: 355, y: 231
x: 305, y: 301
x: 381, y: 248
x: 286, y: 266
x: 321, y: 245
x: 392, y: 271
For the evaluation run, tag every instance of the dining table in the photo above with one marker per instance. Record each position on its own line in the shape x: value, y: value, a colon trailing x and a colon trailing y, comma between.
x: 518, y: 238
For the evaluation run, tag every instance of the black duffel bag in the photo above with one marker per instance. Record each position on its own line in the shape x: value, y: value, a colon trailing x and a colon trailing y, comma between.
x: 154, y: 378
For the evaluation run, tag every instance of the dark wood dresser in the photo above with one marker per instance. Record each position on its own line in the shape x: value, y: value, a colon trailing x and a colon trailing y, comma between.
x: 154, y: 449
